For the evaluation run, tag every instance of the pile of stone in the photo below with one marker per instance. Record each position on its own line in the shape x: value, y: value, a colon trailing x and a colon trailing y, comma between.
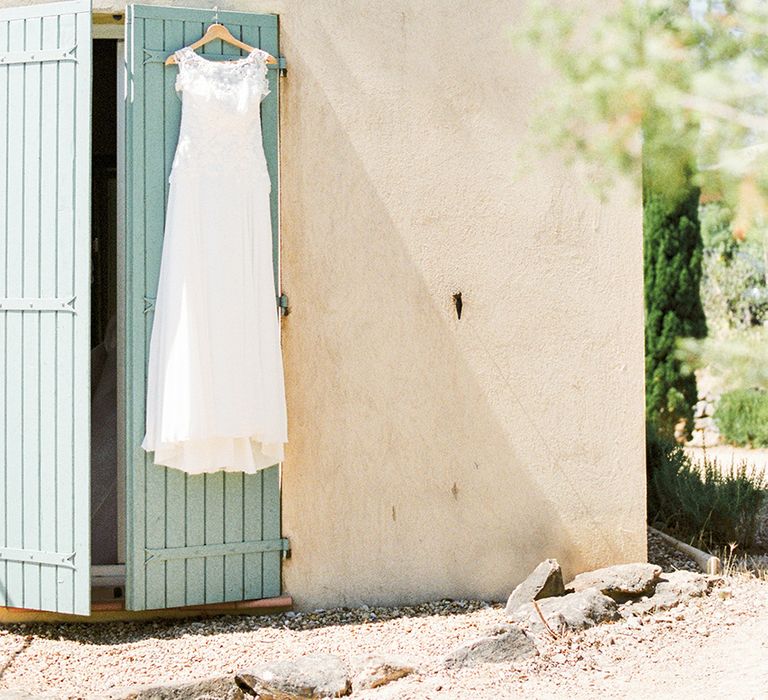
x: 705, y: 429
x: 543, y: 605
x: 540, y: 605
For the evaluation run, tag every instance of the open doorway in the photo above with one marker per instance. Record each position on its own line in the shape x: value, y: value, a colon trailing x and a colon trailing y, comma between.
x: 107, y: 503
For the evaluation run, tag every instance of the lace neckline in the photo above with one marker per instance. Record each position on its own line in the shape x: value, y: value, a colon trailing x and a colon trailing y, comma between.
x: 188, y: 52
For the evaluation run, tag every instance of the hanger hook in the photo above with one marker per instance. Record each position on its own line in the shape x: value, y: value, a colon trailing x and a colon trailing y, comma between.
x: 216, y: 14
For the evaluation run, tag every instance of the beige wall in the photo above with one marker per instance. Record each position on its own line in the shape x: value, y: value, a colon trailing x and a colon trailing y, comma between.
x: 431, y: 456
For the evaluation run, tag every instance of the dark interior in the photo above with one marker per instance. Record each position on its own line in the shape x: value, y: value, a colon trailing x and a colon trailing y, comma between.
x: 104, y: 502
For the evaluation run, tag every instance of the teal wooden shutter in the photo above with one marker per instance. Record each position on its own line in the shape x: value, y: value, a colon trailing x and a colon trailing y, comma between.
x: 45, y: 81
x: 191, y: 539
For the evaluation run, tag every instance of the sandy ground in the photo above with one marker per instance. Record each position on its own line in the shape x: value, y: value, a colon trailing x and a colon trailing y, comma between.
x: 728, y: 456
x: 714, y: 646
x: 708, y: 648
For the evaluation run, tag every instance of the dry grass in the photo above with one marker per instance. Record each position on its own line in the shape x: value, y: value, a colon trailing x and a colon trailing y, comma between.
x: 737, y: 563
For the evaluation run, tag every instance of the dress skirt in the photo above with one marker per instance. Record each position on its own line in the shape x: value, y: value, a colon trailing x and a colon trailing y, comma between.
x: 215, y: 391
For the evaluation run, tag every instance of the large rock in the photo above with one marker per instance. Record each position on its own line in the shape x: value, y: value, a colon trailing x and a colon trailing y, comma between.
x: 620, y: 582
x: 375, y: 671
x: 545, y: 581
x: 505, y: 643
x: 321, y: 676
x: 671, y: 590
x: 574, y: 611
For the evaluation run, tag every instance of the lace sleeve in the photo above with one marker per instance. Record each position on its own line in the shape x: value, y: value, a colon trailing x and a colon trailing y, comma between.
x: 263, y: 71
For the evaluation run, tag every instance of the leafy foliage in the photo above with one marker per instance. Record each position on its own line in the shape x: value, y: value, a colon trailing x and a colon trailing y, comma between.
x: 733, y: 289
x: 716, y: 233
x: 672, y: 252
x: 742, y: 417
x: 680, y: 88
x: 709, y: 505
x: 695, y: 83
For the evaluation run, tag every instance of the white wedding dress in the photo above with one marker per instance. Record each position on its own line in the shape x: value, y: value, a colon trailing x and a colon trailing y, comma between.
x: 215, y: 394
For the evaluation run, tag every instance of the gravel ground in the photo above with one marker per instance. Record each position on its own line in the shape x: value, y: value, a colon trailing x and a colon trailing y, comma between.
x: 714, y: 645
x: 668, y: 558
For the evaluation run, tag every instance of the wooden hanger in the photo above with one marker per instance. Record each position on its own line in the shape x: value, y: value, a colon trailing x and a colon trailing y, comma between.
x: 219, y: 31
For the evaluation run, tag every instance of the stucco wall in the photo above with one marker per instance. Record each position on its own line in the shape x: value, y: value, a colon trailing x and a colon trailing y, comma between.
x: 431, y: 456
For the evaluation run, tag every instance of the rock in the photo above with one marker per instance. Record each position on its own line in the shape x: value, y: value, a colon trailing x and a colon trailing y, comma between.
x: 672, y: 589
x: 703, y: 409
x: 211, y: 688
x: 545, y: 581
x: 375, y: 671
x: 574, y: 611
x: 320, y: 676
x: 620, y: 582
x: 505, y: 643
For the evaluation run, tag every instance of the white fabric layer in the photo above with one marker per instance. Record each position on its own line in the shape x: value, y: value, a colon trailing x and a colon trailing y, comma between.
x: 215, y: 392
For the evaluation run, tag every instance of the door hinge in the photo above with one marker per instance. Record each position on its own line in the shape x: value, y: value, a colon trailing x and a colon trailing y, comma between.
x: 37, y: 56
x: 34, y: 556
x: 282, y: 304
x: 280, y: 66
x: 33, y: 304
x: 216, y: 550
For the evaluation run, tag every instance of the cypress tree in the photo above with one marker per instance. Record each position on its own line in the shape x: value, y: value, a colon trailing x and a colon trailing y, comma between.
x: 672, y: 252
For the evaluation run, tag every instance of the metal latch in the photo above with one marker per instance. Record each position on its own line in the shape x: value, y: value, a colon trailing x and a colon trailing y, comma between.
x: 282, y: 304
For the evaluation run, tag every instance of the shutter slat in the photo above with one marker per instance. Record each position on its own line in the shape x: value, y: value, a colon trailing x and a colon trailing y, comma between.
x: 48, y: 238
x: 4, y: 140
x: 174, y: 479
x: 31, y: 322
x: 270, y: 488
x: 81, y: 323
x: 253, y: 564
x: 64, y: 334
x: 233, y: 532
x: 154, y: 214
x: 135, y: 330
x: 14, y: 581
x: 194, y: 500
x: 214, y: 535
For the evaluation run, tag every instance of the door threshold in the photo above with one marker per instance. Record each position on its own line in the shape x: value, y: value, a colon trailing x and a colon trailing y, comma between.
x: 115, y: 611
x: 108, y: 575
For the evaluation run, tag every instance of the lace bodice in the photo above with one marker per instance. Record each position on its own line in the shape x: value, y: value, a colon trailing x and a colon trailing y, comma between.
x: 221, y: 121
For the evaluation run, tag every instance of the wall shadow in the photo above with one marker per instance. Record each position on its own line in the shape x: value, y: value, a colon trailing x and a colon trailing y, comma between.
x: 430, y: 456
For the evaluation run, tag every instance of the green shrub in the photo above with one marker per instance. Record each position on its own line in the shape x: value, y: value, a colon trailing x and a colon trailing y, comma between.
x: 742, y: 417
x: 707, y: 505
x: 672, y: 254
